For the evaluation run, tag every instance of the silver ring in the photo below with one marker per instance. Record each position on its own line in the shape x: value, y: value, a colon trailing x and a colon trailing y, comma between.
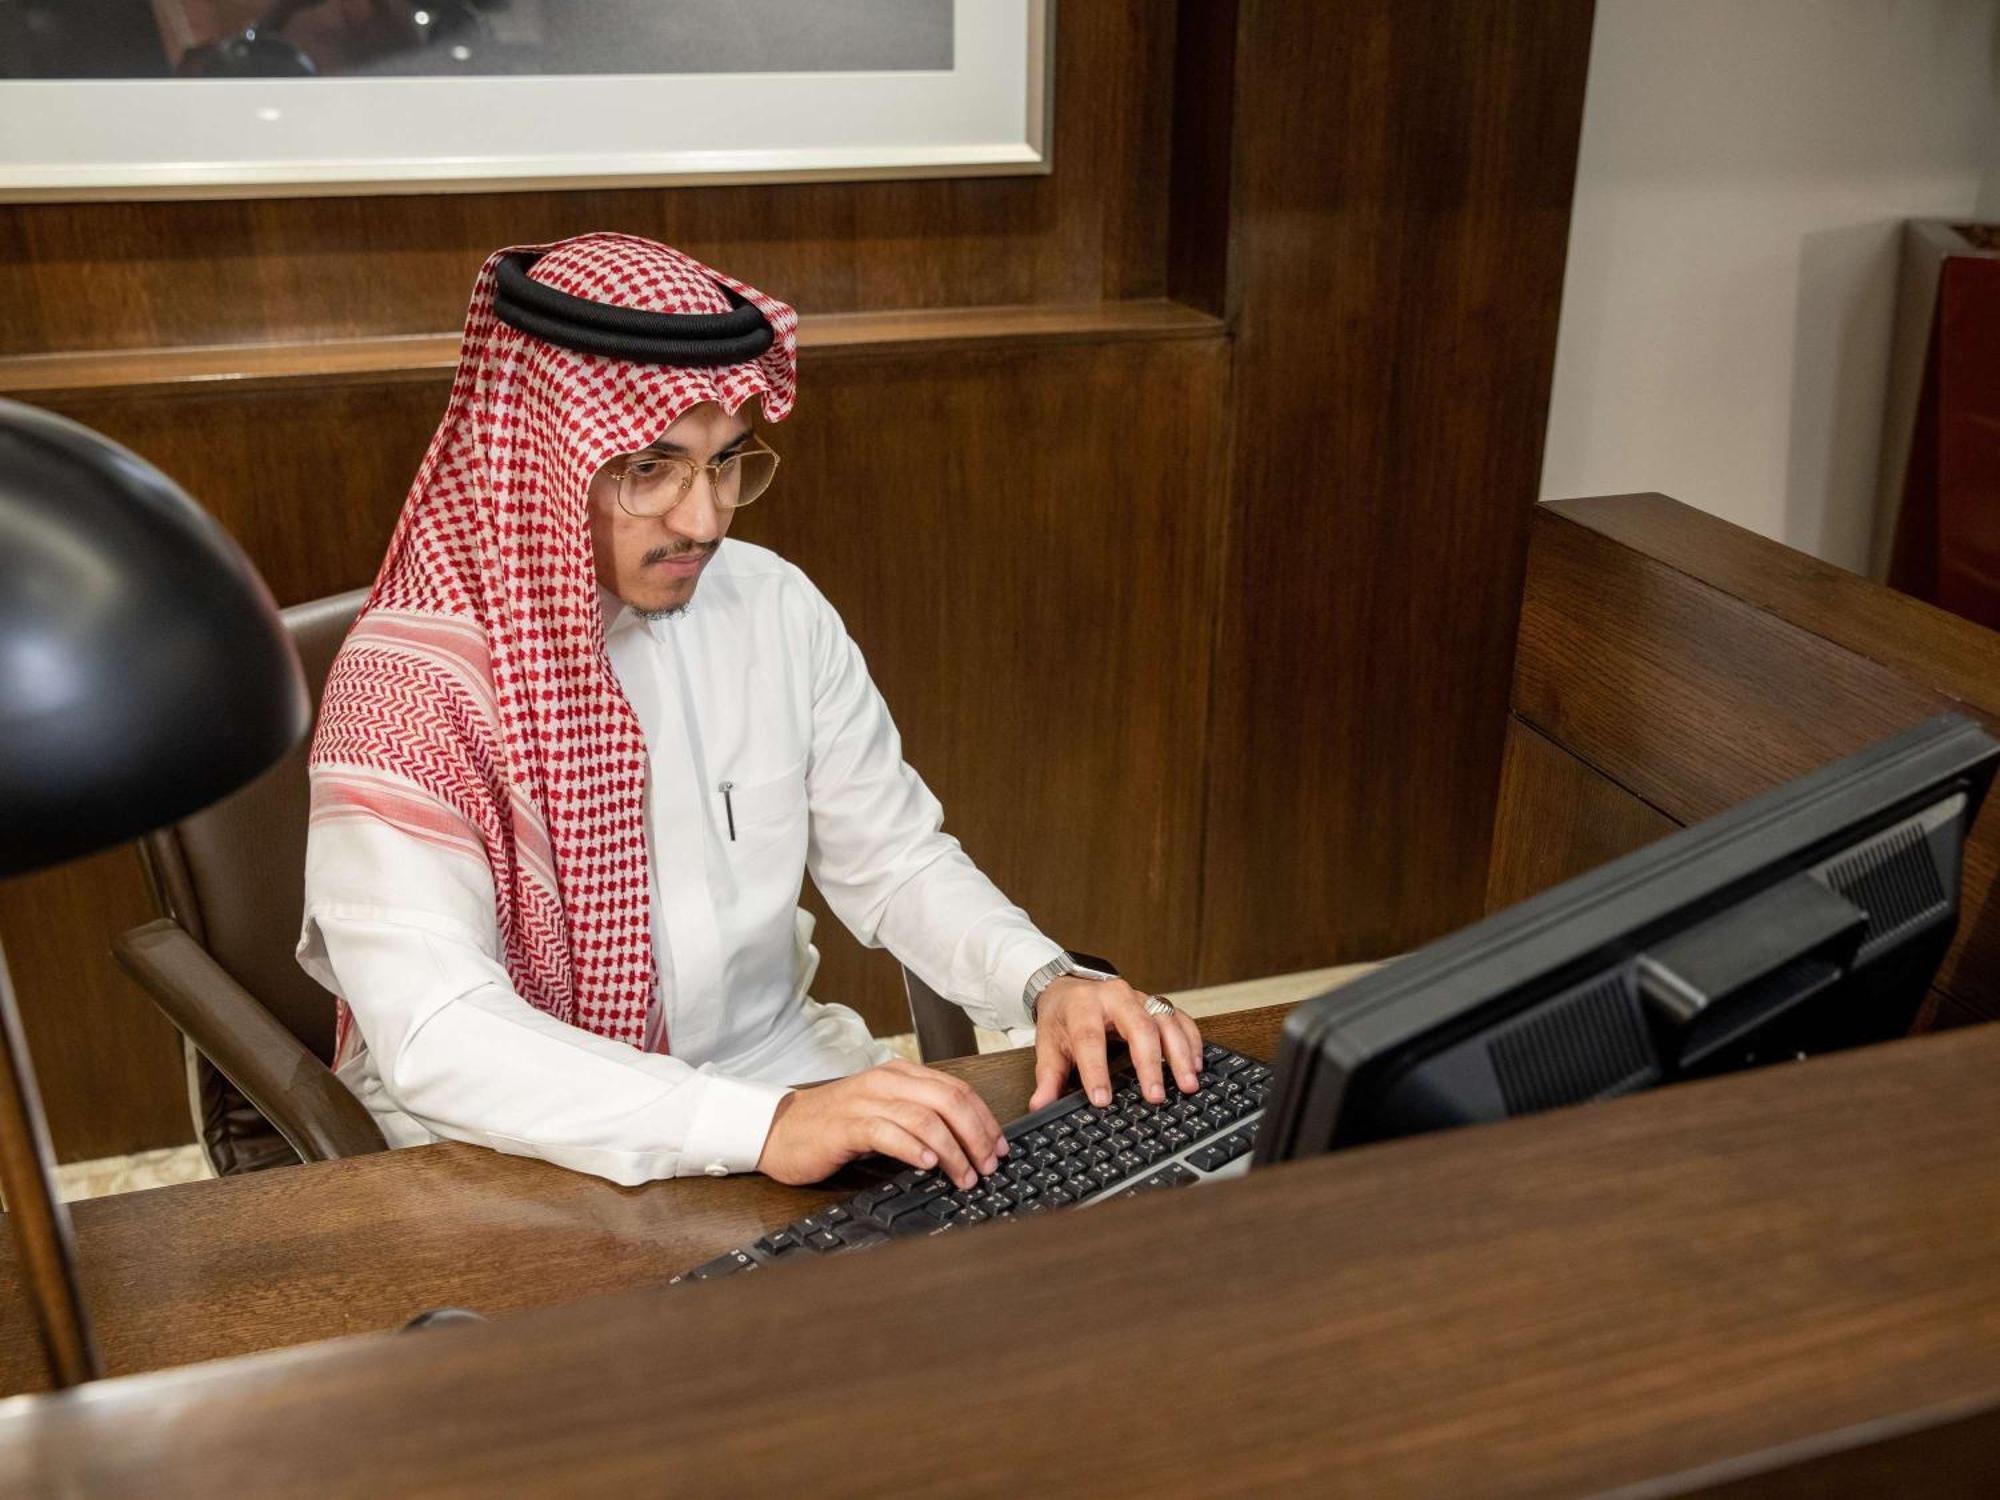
x: 1159, y: 1005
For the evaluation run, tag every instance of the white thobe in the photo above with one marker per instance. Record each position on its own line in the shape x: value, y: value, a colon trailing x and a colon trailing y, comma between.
x: 770, y: 754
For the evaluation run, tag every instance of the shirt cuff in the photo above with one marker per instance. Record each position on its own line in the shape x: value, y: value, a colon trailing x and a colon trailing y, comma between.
x: 730, y: 1124
x: 1008, y: 993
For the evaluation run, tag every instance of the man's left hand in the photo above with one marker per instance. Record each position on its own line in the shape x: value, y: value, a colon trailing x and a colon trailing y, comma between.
x: 1074, y: 1018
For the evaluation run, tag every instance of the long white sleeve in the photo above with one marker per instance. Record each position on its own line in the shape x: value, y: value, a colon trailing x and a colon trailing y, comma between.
x: 880, y: 856
x: 405, y: 935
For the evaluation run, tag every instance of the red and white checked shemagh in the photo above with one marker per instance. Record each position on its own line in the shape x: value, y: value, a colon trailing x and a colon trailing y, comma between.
x: 473, y: 705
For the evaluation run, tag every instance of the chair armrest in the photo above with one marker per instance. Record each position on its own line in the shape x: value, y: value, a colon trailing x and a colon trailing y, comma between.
x: 943, y: 1030
x: 290, y: 1087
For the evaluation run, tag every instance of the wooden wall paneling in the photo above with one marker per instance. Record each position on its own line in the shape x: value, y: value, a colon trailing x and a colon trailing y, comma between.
x: 307, y: 478
x: 1034, y: 594
x: 1204, y: 101
x: 214, y: 369
x: 1556, y: 817
x: 1400, y: 206
x: 107, y: 1062
x: 1693, y: 700
x: 140, y: 275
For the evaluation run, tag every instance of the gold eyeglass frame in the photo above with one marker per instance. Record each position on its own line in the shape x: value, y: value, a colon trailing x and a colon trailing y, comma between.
x: 712, y: 469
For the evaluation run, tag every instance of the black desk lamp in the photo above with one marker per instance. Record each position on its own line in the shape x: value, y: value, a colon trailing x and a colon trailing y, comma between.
x: 144, y: 673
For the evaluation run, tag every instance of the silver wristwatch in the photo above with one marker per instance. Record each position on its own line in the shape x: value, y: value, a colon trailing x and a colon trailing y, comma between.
x: 1065, y: 965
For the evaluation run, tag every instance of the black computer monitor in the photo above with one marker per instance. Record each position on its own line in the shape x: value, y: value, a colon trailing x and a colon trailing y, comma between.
x: 1808, y: 919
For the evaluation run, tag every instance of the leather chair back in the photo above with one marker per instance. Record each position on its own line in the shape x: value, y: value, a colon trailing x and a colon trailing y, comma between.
x: 233, y: 875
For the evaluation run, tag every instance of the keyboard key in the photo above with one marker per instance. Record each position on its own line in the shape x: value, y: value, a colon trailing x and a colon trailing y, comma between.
x: 821, y: 1241
x: 867, y: 1202
x: 974, y: 1215
x: 779, y: 1242
x: 942, y: 1208
x: 907, y: 1203
x: 723, y: 1265
x: 1177, y: 1175
x: 1208, y: 1158
x: 1058, y: 1198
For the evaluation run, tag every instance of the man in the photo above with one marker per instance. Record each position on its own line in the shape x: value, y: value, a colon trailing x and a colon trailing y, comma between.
x: 577, y: 754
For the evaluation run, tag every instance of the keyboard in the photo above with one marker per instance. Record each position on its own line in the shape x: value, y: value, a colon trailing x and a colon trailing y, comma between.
x: 1067, y: 1154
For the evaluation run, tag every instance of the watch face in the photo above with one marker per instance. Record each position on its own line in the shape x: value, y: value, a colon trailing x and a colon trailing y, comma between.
x: 1091, y: 961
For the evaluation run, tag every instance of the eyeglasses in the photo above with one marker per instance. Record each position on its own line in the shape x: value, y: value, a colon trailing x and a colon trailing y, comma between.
x: 652, y: 484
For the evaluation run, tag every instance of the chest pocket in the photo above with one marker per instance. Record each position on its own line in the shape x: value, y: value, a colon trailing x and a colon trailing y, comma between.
x: 764, y: 811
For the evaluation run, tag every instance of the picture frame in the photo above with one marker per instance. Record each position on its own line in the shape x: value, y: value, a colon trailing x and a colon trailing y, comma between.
x: 79, y: 139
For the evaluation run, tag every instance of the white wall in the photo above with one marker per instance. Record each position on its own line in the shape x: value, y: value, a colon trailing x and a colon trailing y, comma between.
x: 1731, y: 277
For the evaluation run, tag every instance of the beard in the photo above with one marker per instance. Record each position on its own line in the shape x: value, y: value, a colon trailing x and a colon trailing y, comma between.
x: 661, y: 554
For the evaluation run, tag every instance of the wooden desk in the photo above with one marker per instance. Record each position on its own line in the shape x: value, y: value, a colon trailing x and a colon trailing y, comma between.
x: 211, y: 1269
x: 1778, y: 1283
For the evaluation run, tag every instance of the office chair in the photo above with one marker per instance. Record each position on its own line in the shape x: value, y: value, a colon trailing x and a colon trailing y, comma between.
x: 231, y: 884
x: 219, y: 962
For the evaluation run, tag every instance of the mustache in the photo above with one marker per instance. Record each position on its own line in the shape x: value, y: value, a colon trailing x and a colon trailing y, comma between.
x: 661, y: 554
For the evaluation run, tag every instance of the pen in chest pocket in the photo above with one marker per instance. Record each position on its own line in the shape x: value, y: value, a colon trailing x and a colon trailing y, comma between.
x: 728, y: 807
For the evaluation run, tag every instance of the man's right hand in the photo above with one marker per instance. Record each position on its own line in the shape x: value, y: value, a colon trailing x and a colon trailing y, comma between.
x: 917, y: 1115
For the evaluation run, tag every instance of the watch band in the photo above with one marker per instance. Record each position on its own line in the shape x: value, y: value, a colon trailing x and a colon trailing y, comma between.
x: 1065, y: 965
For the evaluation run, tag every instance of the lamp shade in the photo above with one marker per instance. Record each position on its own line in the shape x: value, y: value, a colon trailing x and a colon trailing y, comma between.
x: 144, y: 672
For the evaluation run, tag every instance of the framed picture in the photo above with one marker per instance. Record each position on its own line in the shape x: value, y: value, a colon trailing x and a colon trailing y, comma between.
x: 262, y: 98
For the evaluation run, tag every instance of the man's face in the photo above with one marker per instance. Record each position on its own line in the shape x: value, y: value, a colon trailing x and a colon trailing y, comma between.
x: 654, y: 563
